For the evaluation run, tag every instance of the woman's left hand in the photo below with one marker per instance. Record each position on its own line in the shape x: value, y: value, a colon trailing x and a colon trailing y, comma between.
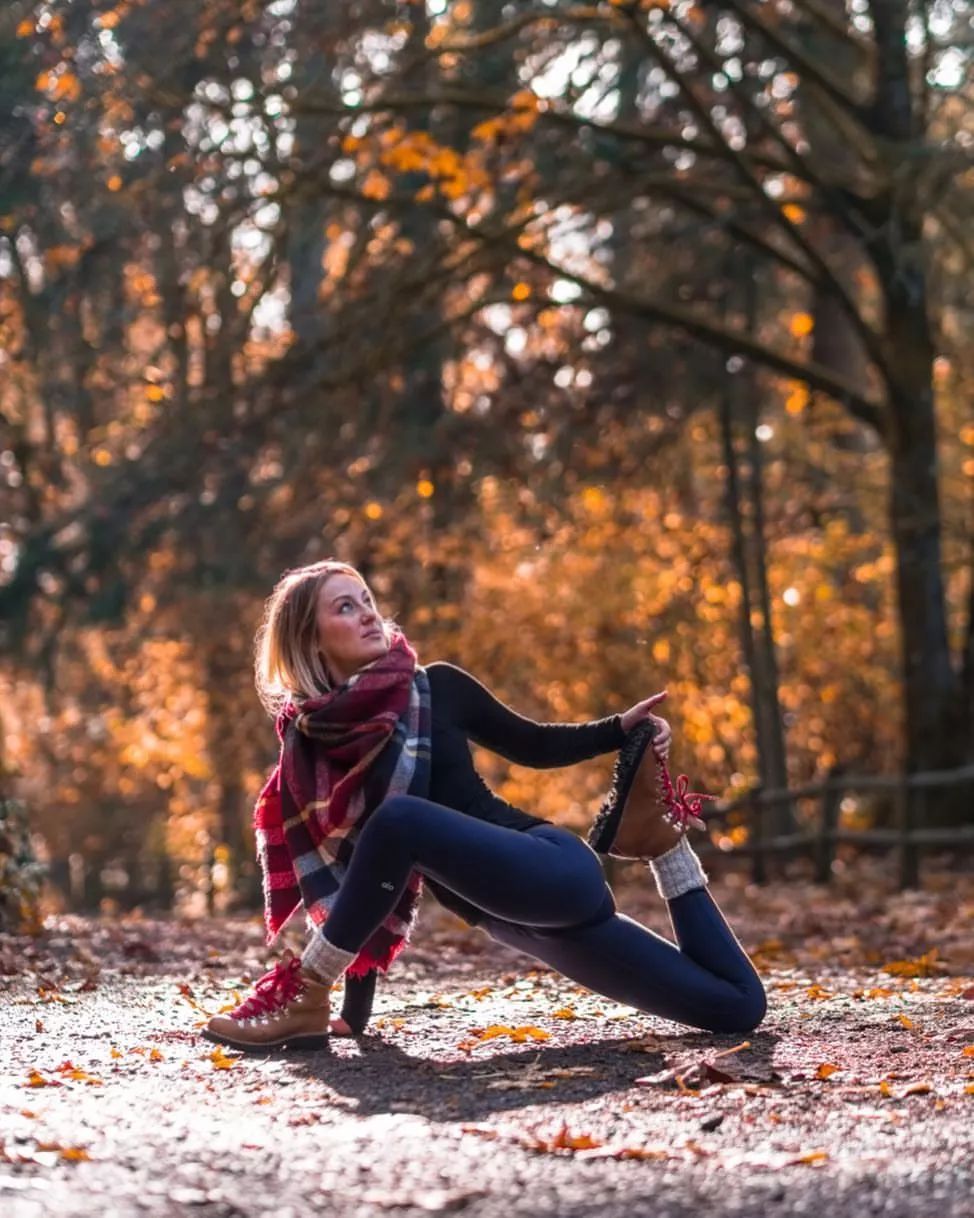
x: 643, y: 711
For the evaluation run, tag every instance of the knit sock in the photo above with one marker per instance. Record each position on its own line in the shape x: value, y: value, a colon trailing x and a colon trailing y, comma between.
x: 678, y: 871
x: 324, y: 961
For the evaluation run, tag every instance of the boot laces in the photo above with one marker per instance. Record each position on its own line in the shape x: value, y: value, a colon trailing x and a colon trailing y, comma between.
x: 683, y: 807
x: 273, y: 991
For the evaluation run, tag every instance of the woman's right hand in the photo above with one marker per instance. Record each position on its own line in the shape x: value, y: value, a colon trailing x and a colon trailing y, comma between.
x: 643, y: 711
x: 338, y: 1027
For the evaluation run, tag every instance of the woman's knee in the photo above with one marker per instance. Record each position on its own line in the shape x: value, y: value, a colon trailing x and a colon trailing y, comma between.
x: 743, y: 1015
x: 395, y: 816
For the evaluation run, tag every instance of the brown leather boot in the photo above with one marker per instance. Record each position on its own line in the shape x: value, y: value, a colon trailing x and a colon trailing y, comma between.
x: 633, y: 822
x: 288, y: 1009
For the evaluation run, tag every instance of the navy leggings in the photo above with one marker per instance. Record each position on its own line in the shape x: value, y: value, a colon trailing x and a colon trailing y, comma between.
x: 542, y: 892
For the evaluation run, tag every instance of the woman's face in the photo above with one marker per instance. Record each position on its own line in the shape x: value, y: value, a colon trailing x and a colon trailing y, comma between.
x: 350, y: 631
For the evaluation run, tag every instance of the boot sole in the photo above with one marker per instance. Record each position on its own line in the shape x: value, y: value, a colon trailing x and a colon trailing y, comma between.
x: 300, y: 1043
x: 606, y: 824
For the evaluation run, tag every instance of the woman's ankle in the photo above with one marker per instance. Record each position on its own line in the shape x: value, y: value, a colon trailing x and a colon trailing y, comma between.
x: 678, y: 871
x: 323, y: 961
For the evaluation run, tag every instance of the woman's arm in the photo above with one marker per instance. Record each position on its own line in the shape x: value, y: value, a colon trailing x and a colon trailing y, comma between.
x: 493, y: 724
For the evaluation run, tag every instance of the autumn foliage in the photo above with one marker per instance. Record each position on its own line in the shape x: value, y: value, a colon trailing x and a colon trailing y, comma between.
x: 496, y: 307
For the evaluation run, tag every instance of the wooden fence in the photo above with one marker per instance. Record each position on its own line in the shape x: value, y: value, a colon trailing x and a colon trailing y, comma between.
x: 85, y: 883
x: 908, y: 836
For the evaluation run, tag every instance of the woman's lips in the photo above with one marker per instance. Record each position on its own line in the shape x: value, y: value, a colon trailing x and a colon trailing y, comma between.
x: 372, y: 634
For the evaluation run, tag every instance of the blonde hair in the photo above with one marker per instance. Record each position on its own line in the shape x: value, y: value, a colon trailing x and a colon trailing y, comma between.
x: 288, y: 664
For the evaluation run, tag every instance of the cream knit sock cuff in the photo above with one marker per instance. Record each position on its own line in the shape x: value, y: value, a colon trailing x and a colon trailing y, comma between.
x: 324, y: 960
x: 678, y: 871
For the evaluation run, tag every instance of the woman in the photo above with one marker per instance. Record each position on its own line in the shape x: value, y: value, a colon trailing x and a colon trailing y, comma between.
x: 375, y: 792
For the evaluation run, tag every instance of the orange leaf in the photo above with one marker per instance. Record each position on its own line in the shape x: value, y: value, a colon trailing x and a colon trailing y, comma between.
x: 155, y: 1056
x: 376, y: 185
x: 826, y: 1069
x: 968, y: 1050
x: 520, y: 1035
x: 801, y: 324
x: 564, y: 1013
x: 75, y: 1154
x: 220, y: 1059
x: 36, y: 1079
x: 78, y: 1075
x: 923, y: 966
x: 563, y: 1140
x: 905, y: 1020
x: 813, y: 1156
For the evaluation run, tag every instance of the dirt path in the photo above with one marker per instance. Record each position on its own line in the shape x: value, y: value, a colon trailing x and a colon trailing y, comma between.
x: 855, y: 1097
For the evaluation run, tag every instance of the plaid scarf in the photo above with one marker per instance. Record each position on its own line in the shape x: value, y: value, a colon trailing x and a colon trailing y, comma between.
x: 341, y: 755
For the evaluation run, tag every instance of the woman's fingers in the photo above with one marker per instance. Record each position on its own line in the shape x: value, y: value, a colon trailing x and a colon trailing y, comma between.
x: 642, y: 712
x: 662, y: 736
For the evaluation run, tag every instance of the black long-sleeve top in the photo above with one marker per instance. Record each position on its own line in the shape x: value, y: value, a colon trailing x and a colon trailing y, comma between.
x: 464, y: 710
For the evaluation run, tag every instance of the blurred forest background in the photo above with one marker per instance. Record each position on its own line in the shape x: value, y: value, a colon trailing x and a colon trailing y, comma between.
x: 622, y: 346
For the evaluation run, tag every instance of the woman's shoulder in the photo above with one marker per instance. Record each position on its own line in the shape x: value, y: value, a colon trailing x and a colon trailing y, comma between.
x: 443, y: 672
x: 449, y: 682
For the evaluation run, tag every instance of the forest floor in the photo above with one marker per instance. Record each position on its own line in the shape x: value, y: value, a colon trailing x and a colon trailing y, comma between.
x: 487, y: 1087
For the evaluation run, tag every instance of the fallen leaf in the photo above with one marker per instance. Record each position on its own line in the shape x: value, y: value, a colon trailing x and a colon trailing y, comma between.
x: 905, y: 1020
x: 36, y: 1079
x: 519, y: 1034
x: 82, y: 1076
x: 923, y: 966
x: 220, y: 1059
x: 626, y: 1152
x: 648, y: 1044
x: 812, y: 1156
x: 564, y: 1013
x: 563, y: 1140
x: 968, y: 1050
x: 826, y: 1069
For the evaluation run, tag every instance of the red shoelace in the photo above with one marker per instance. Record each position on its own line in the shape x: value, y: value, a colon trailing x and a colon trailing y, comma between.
x: 683, y: 807
x: 273, y: 991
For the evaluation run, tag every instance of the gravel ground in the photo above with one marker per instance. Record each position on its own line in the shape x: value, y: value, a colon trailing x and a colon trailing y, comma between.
x: 854, y: 1097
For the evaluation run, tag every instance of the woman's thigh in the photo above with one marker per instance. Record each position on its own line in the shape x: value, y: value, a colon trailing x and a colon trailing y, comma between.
x: 544, y: 876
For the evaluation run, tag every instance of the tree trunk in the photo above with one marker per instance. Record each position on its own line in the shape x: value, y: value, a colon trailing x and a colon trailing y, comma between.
x: 932, y: 689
